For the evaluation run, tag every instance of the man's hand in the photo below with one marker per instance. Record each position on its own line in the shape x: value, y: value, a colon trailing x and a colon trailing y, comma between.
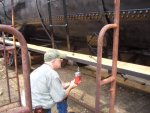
x: 66, y: 85
x: 72, y: 84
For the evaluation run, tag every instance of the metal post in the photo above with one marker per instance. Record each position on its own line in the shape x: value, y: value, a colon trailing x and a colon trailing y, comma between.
x: 115, y: 55
x: 66, y: 22
x: 15, y: 53
x: 50, y: 23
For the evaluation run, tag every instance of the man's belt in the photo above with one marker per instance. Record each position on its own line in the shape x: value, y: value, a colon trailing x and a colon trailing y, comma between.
x: 39, y: 109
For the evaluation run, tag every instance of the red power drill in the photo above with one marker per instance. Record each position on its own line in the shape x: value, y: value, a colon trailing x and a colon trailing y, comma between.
x: 77, y: 76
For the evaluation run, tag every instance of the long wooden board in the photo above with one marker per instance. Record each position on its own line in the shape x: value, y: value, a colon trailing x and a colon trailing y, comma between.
x: 123, y: 67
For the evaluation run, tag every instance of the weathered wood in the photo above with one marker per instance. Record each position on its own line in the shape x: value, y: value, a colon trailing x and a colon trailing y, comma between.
x: 129, y: 81
x: 123, y: 67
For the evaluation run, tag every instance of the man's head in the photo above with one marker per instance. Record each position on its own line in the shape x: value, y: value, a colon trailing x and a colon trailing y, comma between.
x: 54, y: 57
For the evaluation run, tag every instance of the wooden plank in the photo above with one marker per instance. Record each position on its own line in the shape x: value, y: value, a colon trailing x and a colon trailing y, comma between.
x: 123, y: 67
x: 129, y: 81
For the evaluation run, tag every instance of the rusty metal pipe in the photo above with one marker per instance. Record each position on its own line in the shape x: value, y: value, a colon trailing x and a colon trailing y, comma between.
x: 25, y: 62
x: 115, y: 54
x: 15, y: 53
x: 6, y: 67
x: 99, y: 63
x: 107, y: 80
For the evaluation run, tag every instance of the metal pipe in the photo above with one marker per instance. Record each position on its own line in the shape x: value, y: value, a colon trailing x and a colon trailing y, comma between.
x: 107, y: 80
x: 115, y: 54
x: 50, y: 23
x: 25, y: 61
x: 66, y: 23
x: 99, y: 63
x: 12, y: 11
x: 15, y: 53
x: 6, y: 68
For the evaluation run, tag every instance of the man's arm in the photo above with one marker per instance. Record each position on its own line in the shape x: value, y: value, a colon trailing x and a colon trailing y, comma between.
x: 71, y: 86
x: 65, y: 84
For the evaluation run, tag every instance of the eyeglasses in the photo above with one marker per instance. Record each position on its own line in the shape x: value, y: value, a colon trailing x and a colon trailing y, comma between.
x: 59, y: 59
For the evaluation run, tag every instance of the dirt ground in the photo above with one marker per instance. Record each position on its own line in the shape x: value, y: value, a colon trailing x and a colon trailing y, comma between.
x: 127, y: 100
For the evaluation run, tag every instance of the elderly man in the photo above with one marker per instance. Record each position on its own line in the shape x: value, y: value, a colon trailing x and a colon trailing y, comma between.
x: 46, y: 87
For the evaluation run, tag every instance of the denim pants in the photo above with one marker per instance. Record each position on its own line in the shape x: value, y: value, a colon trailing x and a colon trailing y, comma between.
x: 61, y: 107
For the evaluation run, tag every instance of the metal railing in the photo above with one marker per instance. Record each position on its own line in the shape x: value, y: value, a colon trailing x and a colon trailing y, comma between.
x: 26, y: 72
x: 112, y: 78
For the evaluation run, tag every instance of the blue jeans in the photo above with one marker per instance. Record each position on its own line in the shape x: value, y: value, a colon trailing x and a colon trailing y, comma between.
x: 49, y: 111
x: 61, y: 107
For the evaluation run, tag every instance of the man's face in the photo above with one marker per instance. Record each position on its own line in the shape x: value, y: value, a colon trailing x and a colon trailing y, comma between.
x: 57, y: 63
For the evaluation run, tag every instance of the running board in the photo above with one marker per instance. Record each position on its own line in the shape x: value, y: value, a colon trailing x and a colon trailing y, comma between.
x: 136, y: 70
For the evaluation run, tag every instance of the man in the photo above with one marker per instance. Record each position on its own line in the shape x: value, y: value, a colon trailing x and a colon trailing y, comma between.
x: 46, y: 86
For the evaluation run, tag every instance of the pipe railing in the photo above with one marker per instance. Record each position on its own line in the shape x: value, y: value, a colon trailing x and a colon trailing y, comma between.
x: 112, y: 78
x: 25, y: 67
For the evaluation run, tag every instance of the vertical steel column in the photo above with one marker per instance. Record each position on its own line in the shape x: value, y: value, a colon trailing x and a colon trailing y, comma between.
x: 50, y: 23
x: 65, y: 22
x: 66, y: 27
x: 111, y: 79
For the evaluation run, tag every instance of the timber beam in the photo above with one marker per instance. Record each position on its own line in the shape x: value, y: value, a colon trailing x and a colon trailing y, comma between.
x: 136, y: 70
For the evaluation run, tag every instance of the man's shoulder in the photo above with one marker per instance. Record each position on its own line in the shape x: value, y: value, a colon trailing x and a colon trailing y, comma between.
x: 53, y: 73
x: 49, y: 71
x: 39, y: 70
